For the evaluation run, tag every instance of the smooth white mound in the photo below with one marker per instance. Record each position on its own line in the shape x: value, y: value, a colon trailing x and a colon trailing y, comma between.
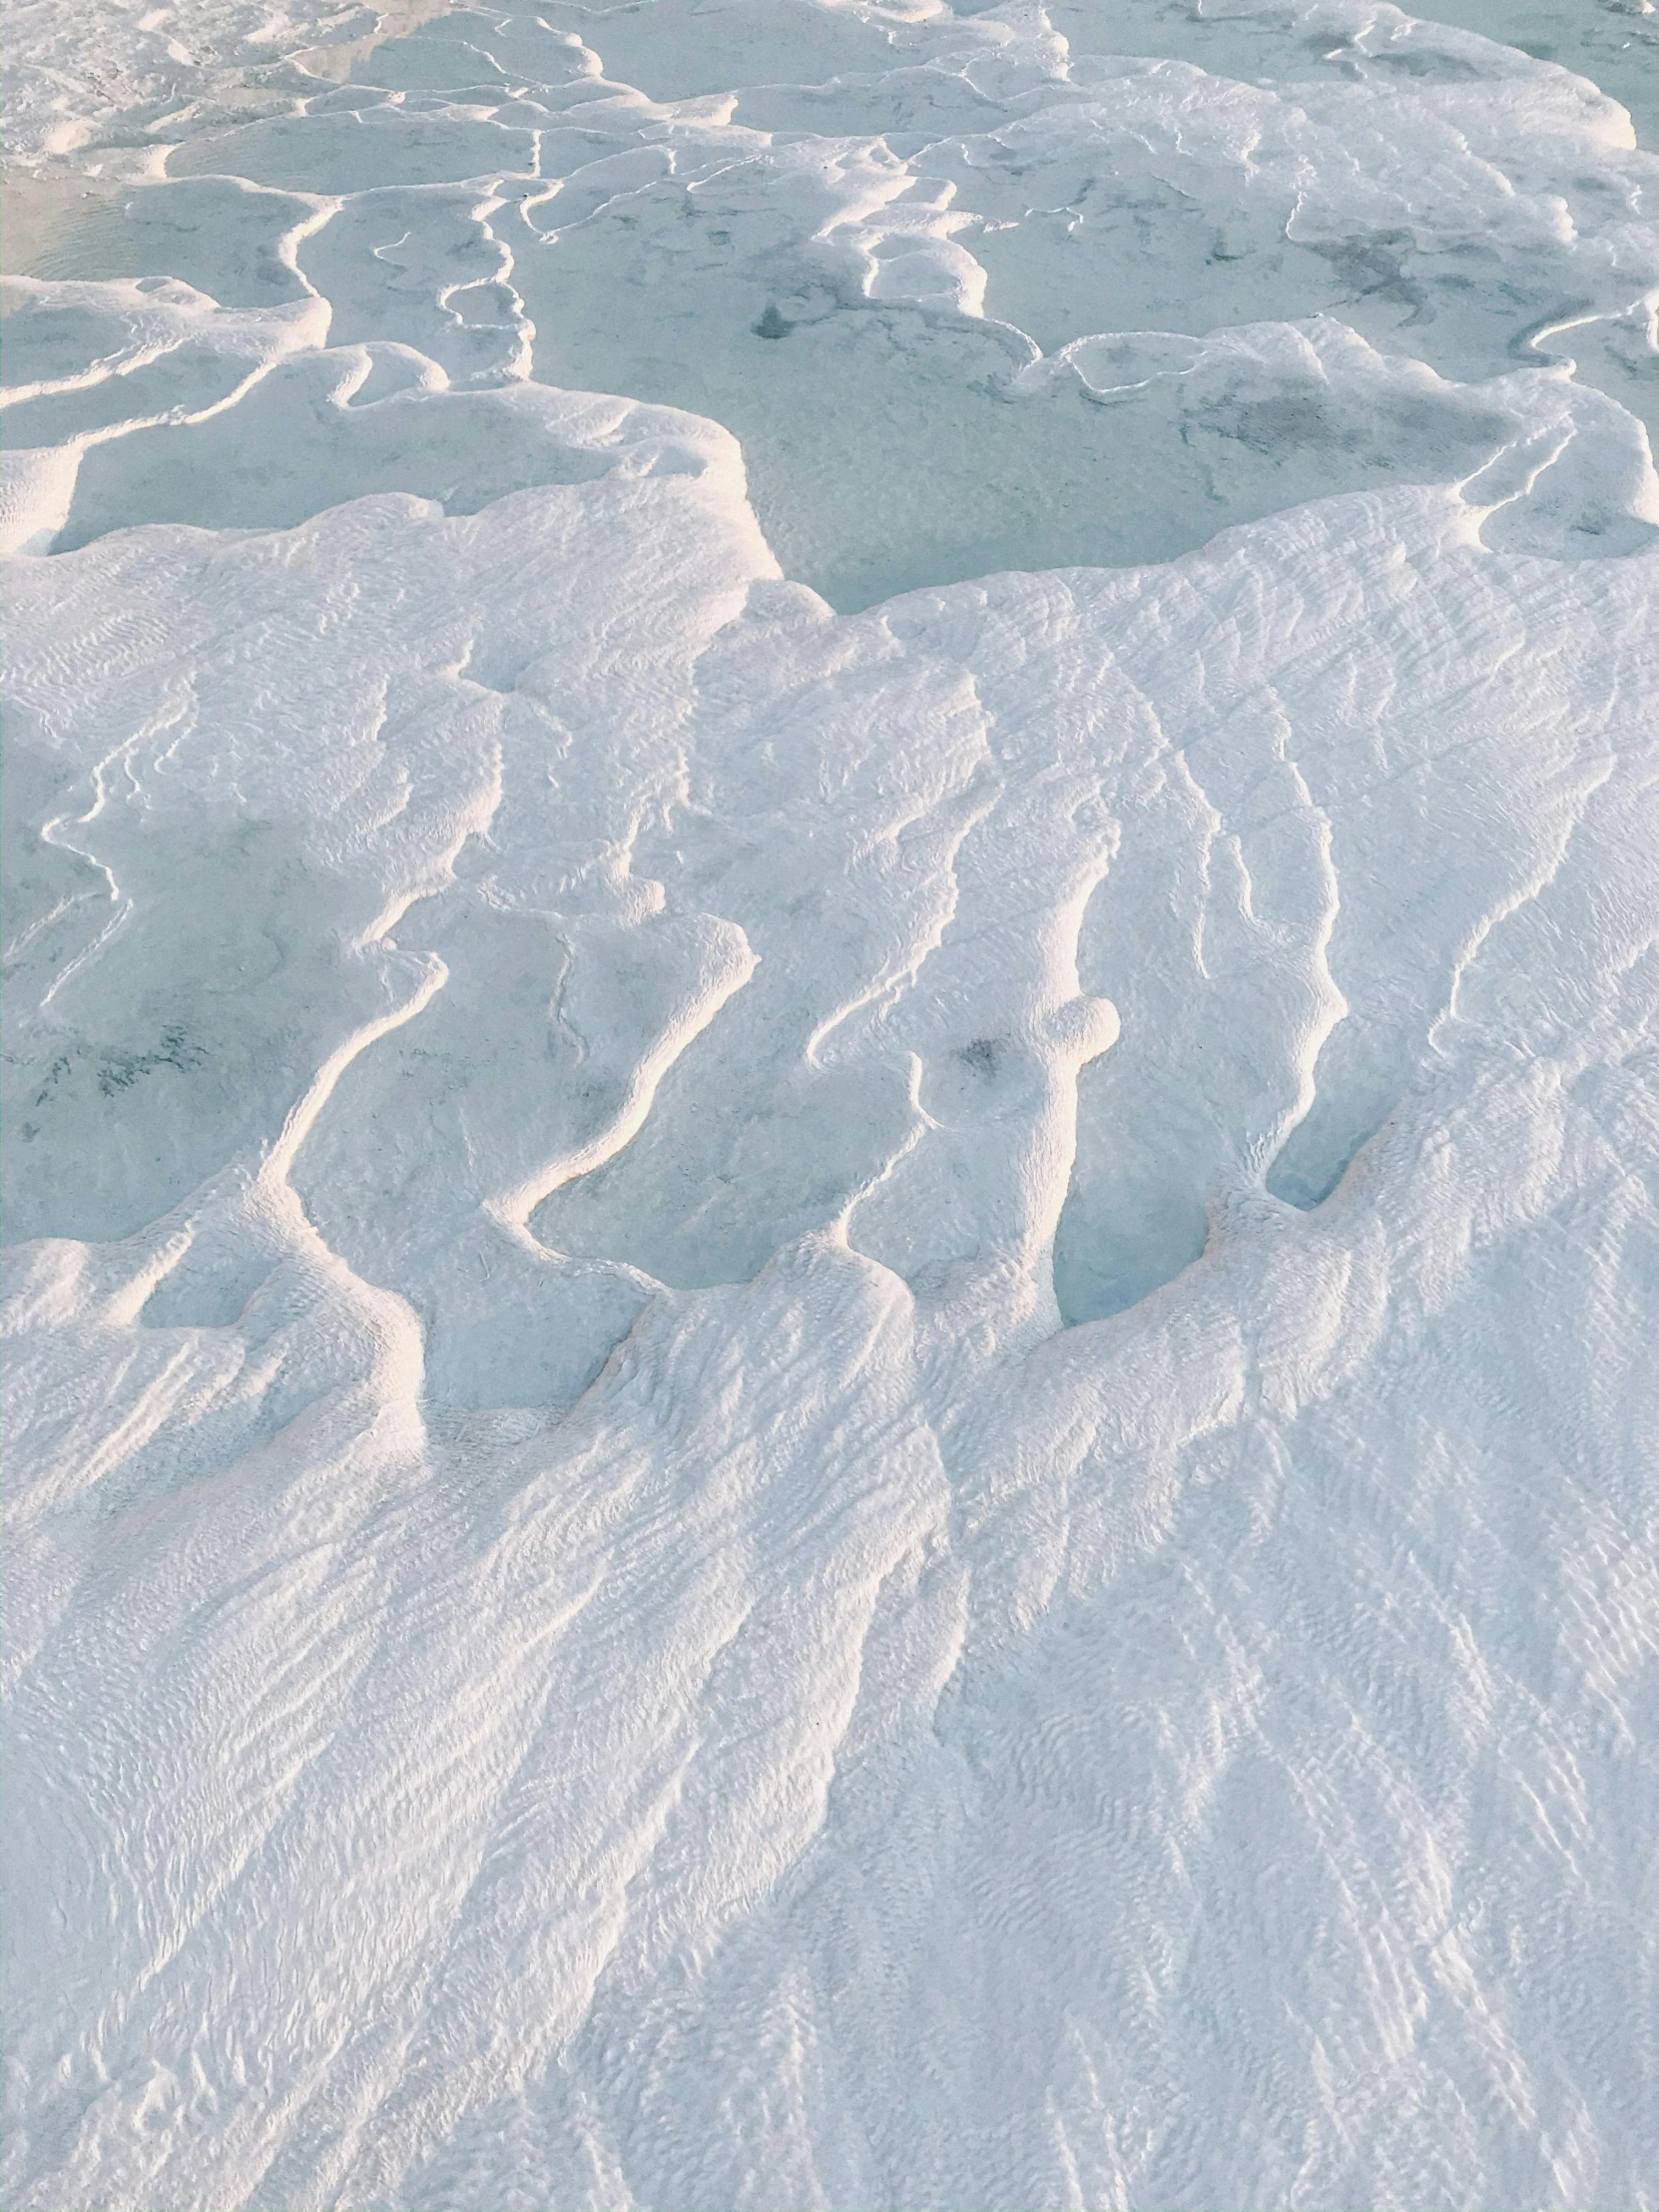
x: 838, y: 1409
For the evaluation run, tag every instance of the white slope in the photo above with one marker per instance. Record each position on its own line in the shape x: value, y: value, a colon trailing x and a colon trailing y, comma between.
x: 815, y: 1408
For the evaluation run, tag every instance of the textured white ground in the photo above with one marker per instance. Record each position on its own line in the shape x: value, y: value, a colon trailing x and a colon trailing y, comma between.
x: 832, y: 1192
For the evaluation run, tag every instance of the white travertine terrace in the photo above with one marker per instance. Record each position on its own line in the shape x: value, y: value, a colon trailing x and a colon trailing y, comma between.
x: 832, y: 1111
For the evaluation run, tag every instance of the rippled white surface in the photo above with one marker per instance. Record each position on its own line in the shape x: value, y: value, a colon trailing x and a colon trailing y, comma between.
x: 833, y: 1191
